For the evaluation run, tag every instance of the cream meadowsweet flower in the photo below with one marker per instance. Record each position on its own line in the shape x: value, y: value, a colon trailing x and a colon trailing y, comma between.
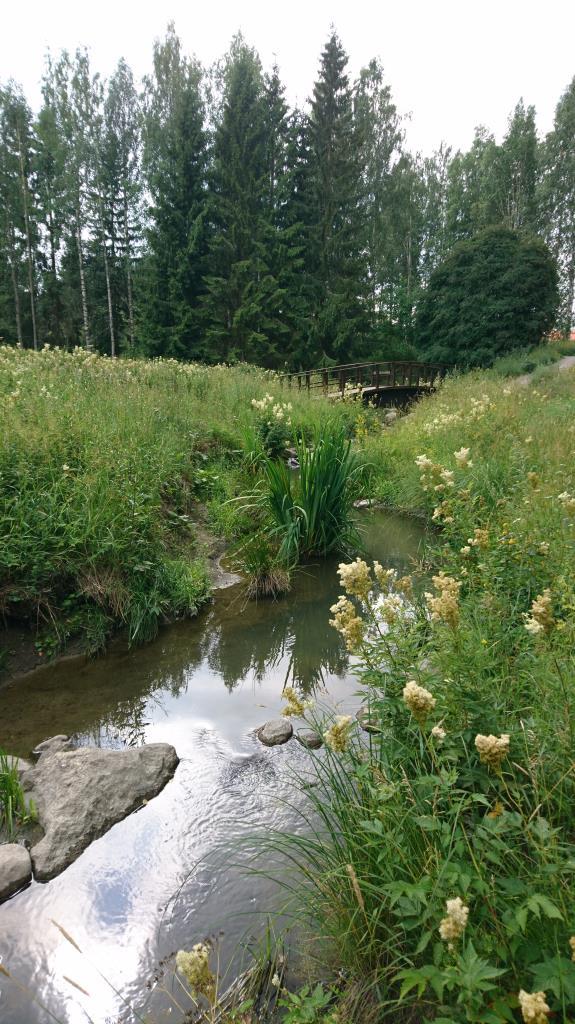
x: 195, y: 966
x: 568, y: 501
x: 419, y: 700
x: 480, y: 538
x: 462, y: 458
x: 492, y: 749
x: 540, y: 619
x: 452, y: 926
x: 355, y: 578
x: 465, y: 550
x: 347, y: 622
x: 444, y: 606
x: 438, y: 733
x: 384, y: 577
x: 534, y: 1008
x: 295, y: 707
x: 423, y: 462
x: 391, y: 609
x: 337, y: 736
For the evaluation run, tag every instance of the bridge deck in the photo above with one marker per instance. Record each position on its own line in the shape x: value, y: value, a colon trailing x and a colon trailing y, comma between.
x: 369, y: 379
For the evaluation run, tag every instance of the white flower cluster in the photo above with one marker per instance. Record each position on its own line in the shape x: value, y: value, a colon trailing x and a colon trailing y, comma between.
x: 534, y: 1008
x: 276, y: 410
x: 568, y: 502
x: 452, y: 926
x: 492, y: 749
x: 419, y: 700
x: 540, y: 619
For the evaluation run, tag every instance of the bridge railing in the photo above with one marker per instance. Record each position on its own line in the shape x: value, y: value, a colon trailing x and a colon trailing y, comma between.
x: 352, y: 377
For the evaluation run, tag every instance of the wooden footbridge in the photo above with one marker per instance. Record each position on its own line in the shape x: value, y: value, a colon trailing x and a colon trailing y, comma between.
x: 383, y: 383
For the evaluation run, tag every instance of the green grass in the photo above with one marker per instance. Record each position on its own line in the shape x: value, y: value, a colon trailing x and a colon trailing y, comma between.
x: 13, y: 807
x: 105, y: 468
x: 401, y: 822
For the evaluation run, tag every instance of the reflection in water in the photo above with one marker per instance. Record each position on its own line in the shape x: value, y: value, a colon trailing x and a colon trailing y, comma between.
x: 117, y: 899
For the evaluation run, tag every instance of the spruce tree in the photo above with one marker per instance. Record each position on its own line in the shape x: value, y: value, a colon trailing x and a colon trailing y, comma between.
x: 245, y: 300
x: 340, y: 329
x: 170, y: 282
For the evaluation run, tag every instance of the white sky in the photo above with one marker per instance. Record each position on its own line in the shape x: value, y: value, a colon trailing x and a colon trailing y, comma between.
x: 452, y: 63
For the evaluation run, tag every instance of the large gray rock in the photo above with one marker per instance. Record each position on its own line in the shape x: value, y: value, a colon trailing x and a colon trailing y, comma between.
x: 15, y: 869
x: 80, y: 794
x: 278, y: 730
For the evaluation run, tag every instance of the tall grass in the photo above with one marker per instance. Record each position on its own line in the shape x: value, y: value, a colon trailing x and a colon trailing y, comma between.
x: 312, y: 513
x: 402, y: 822
x: 105, y: 466
x: 13, y: 807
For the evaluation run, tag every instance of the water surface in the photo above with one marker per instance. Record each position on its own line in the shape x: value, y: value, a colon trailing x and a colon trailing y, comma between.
x: 168, y: 875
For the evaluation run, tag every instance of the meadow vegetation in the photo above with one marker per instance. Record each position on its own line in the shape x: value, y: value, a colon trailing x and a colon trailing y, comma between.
x: 110, y: 471
x: 438, y: 849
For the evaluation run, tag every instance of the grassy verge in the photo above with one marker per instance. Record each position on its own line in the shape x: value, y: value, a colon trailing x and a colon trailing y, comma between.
x: 438, y: 872
x: 529, y: 359
x: 106, y: 467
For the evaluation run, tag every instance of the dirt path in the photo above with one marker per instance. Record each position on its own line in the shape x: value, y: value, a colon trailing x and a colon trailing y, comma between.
x: 566, y: 363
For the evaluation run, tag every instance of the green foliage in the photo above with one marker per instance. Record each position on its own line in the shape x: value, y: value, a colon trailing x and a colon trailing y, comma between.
x: 13, y: 808
x: 414, y: 815
x: 312, y: 514
x: 266, y: 575
x: 526, y: 360
x: 106, y: 467
x: 493, y: 293
x: 307, y: 1006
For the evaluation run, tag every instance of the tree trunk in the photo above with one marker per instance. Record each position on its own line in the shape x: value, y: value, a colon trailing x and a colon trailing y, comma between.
x: 24, y: 187
x: 87, y: 338
x: 128, y: 274
x: 110, y: 310
x: 16, y: 302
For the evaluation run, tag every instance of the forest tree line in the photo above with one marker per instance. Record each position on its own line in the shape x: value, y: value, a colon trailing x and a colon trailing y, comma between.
x: 198, y: 216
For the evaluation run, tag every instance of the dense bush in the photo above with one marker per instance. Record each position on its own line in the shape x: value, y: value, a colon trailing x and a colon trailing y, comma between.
x: 494, y: 293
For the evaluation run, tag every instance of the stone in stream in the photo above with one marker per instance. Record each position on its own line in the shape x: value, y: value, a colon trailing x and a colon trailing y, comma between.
x: 15, y: 869
x: 366, y: 722
x: 277, y: 731
x: 310, y: 739
x: 52, y: 744
x: 80, y: 794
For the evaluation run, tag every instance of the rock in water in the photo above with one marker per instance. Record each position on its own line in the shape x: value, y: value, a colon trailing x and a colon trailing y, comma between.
x: 310, y: 739
x: 80, y: 794
x: 367, y: 723
x: 15, y: 869
x: 279, y: 730
x: 51, y: 745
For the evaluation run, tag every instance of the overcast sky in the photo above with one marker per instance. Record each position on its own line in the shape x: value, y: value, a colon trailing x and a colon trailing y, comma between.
x: 452, y: 64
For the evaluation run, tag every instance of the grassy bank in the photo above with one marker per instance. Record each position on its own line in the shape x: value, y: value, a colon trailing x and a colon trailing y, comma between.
x: 106, y: 470
x: 439, y: 873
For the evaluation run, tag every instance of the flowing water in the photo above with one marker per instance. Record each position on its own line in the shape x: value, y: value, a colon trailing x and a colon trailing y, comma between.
x: 169, y: 875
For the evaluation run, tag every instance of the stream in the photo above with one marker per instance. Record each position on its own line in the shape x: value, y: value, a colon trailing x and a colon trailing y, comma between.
x: 169, y: 875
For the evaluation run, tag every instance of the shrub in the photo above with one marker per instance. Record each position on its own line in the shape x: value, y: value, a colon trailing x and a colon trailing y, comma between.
x: 494, y: 293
